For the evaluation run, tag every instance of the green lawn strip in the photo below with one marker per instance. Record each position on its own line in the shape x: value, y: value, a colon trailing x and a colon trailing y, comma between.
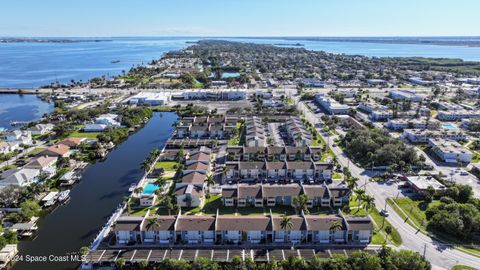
x: 166, y: 165
x: 377, y: 238
x: 394, y: 237
x: 36, y: 151
x: 89, y: 135
x: 415, y: 209
x: 463, y: 267
x: 8, y: 167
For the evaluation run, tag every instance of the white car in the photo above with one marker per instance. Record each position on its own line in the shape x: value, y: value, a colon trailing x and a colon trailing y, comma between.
x: 384, y: 213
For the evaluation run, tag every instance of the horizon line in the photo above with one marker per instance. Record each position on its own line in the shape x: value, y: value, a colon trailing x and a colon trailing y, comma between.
x: 247, y: 36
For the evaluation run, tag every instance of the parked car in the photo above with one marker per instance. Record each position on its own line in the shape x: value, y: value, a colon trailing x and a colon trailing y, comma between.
x: 384, y: 213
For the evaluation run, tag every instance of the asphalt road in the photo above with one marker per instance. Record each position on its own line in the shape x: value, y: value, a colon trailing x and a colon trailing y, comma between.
x: 440, y: 255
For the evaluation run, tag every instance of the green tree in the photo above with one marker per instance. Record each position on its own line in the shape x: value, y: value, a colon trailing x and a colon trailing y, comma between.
x: 301, y: 203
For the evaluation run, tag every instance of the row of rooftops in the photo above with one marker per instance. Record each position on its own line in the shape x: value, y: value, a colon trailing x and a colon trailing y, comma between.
x: 278, y: 165
x: 217, y: 222
x: 209, y: 119
x: 258, y: 191
x: 296, y: 129
x: 254, y: 131
x: 274, y: 150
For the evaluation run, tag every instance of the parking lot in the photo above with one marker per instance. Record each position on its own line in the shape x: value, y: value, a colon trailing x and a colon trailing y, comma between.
x: 219, y: 255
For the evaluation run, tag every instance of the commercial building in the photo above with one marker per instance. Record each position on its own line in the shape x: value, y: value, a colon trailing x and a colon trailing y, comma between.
x: 150, y: 98
x: 450, y: 151
x: 406, y: 95
x: 331, y: 105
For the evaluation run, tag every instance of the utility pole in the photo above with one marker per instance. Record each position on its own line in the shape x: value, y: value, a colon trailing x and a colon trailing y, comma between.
x: 424, y: 249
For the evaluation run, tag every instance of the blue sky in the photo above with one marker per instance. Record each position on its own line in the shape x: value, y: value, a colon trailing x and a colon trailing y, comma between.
x: 239, y: 17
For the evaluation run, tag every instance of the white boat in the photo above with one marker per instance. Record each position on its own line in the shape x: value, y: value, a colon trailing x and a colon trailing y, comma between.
x: 64, y: 196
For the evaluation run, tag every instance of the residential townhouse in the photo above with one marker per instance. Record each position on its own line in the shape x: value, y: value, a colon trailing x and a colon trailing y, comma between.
x: 234, y: 230
x: 457, y: 115
x: 258, y: 195
x: 422, y: 136
x: 419, y: 123
x: 297, y: 132
x: 255, y: 134
x: 276, y: 171
x: 274, y: 153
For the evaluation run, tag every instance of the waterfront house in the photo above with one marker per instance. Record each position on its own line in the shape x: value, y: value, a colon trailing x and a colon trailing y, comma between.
x: 72, y: 142
x: 57, y: 150
x: 7, y: 254
x: 45, y: 164
x: 21, y: 136
x: 41, y: 129
x: 127, y: 229
x: 196, y: 229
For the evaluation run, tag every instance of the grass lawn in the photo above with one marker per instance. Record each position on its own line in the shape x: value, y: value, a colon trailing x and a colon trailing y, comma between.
x: 377, y: 238
x: 394, y: 237
x: 337, y: 175
x: 462, y: 267
x: 140, y: 212
x: 167, y: 166
x: 355, y: 209
x: 415, y: 209
x: 36, y: 151
x: 89, y: 135
x: 8, y: 167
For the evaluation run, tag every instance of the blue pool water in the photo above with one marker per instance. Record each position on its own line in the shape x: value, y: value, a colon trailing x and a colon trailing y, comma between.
x: 230, y: 75
x: 449, y: 126
x: 150, y: 188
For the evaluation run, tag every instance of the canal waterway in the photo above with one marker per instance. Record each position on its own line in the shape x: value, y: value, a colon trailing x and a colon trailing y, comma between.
x: 102, y: 188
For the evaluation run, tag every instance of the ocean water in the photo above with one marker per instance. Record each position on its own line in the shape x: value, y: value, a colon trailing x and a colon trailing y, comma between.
x: 28, y: 65
x: 15, y: 107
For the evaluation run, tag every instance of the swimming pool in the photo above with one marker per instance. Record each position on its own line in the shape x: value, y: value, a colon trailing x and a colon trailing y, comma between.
x: 150, y: 188
x: 449, y: 126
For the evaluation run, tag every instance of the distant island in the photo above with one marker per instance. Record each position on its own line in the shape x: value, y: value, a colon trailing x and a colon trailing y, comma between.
x: 290, y: 44
x: 37, y: 40
x: 443, y: 41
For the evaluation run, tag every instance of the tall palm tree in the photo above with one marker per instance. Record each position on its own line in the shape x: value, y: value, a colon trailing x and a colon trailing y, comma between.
x: 286, y: 224
x: 300, y: 203
x: 145, y: 165
x: 126, y: 199
x: 209, y: 181
x: 368, y: 202
x: 225, y: 170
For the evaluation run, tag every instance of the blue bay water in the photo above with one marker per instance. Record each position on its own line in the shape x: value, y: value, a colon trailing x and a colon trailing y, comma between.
x: 15, y: 107
x: 30, y: 65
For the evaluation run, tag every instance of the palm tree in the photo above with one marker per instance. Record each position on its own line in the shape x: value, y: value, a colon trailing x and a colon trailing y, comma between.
x: 209, y: 181
x: 145, y: 165
x: 138, y: 190
x: 351, y: 182
x: 300, y: 203
x: 336, y: 226
x: 126, y: 199
x: 368, y: 202
x: 150, y: 223
x: 225, y: 170
x: 286, y: 224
